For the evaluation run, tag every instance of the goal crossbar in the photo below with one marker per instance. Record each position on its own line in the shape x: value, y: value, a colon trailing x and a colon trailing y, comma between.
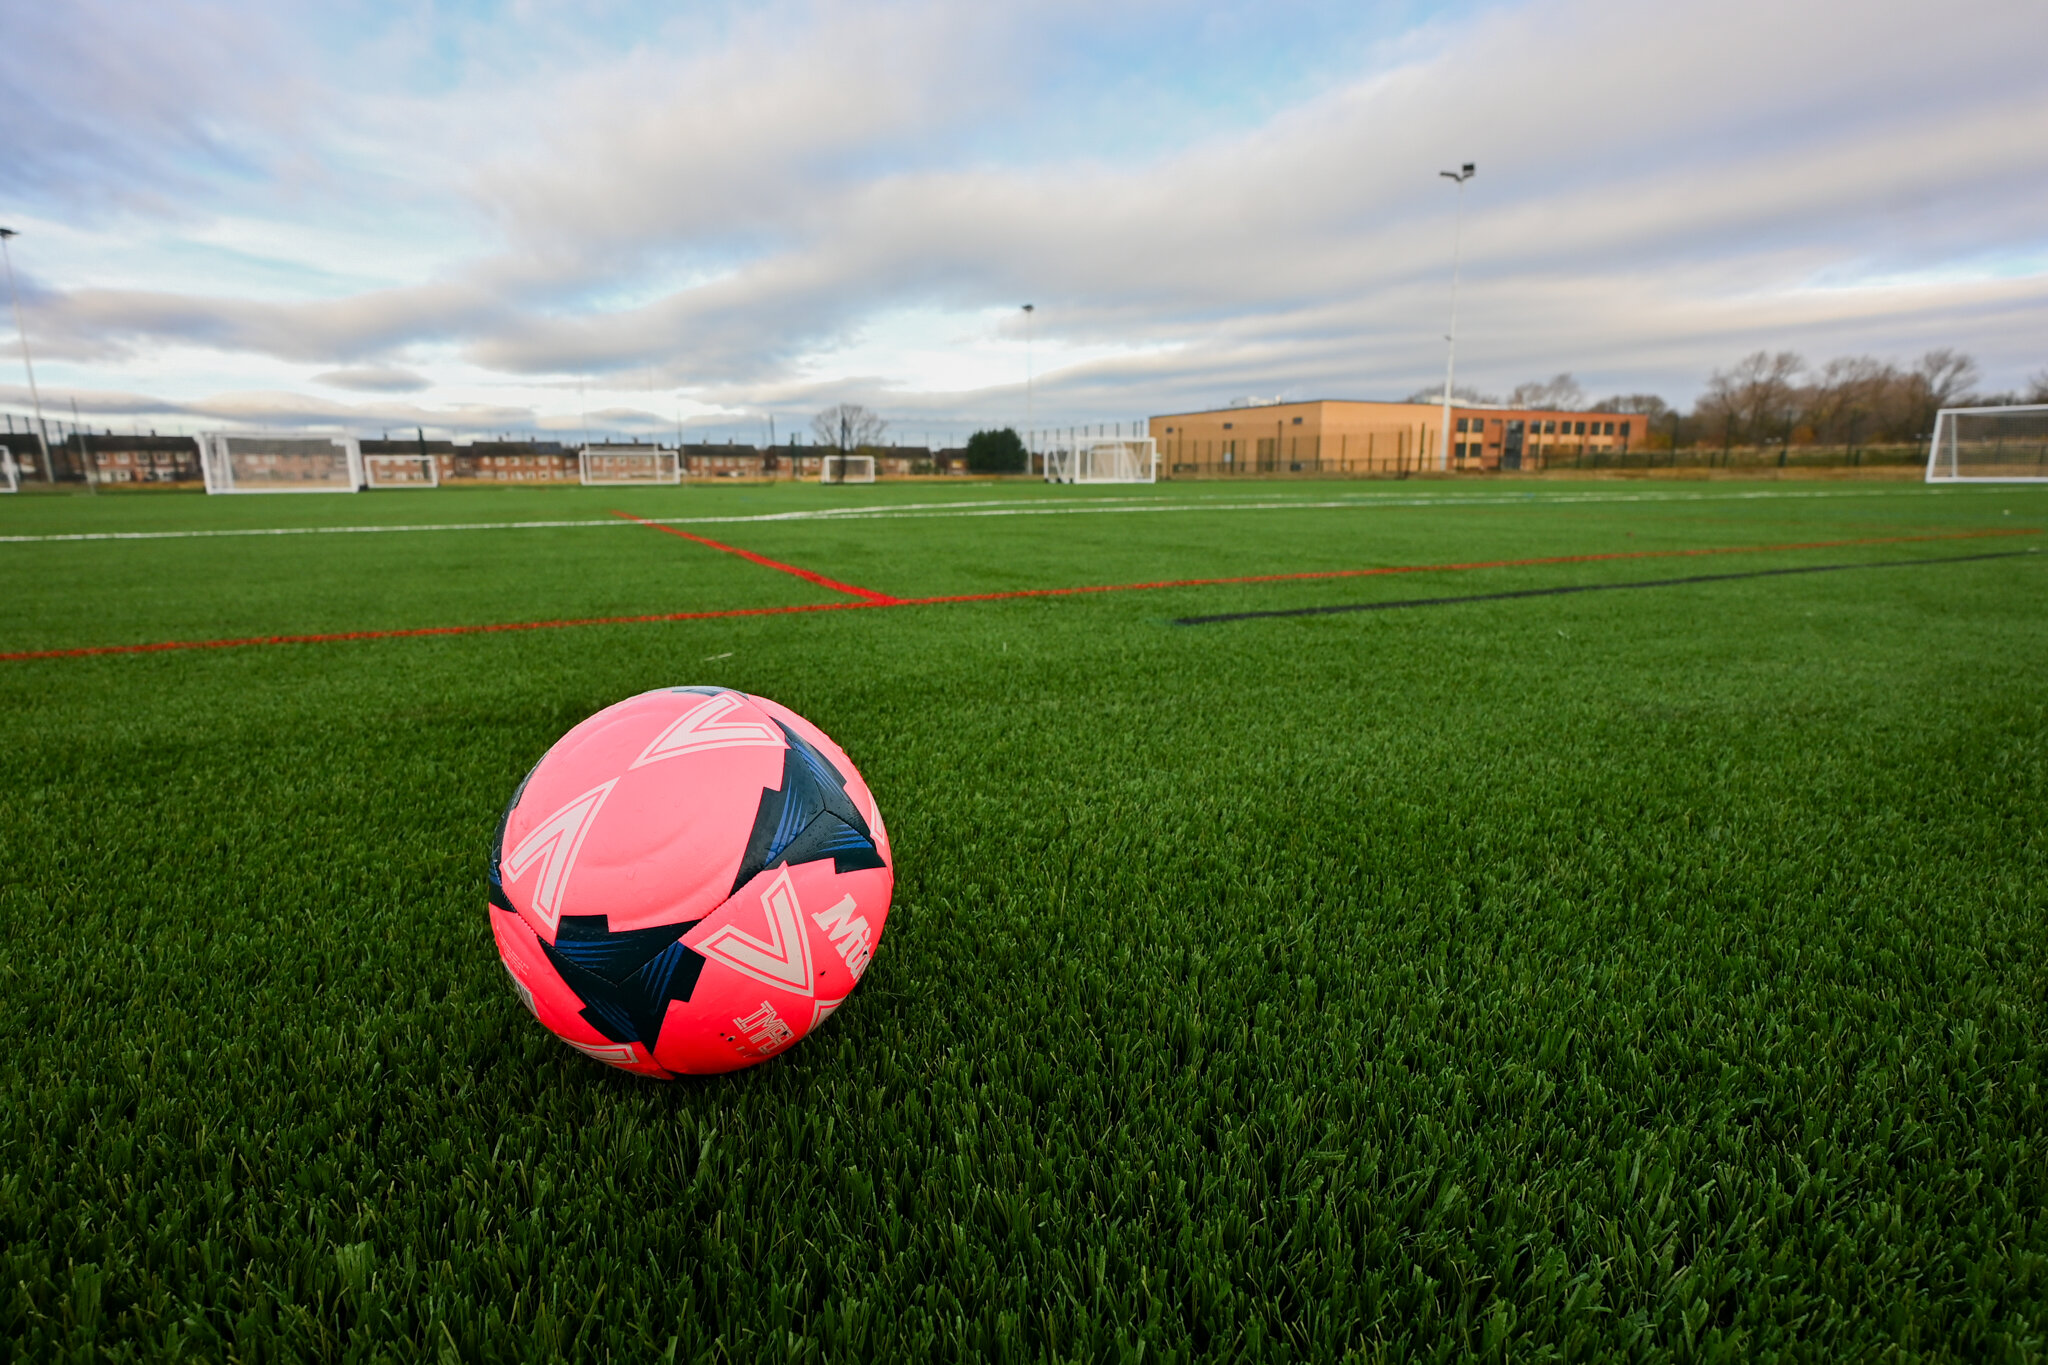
x: 1990, y: 445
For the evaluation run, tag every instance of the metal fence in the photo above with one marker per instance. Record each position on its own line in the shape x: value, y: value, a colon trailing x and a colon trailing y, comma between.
x: 1394, y: 455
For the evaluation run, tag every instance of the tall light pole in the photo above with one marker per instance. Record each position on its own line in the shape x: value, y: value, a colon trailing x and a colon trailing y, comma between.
x: 1461, y: 175
x: 1029, y: 309
x: 49, y: 469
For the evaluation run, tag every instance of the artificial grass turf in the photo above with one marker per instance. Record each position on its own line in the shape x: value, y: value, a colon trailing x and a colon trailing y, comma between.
x: 1656, y: 972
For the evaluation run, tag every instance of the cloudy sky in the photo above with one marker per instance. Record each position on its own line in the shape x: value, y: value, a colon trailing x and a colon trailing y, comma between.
x: 614, y: 216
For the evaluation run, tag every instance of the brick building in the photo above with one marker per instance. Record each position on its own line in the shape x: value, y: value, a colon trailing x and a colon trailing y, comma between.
x: 1343, y: 436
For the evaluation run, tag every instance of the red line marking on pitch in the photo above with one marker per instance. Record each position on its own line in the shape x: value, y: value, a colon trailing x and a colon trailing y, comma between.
x: 868, y: 595
x: 870, y: 601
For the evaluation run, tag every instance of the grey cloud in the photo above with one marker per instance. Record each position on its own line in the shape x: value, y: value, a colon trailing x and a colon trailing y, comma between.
x: 272, y: 408
x: 103, y: 322
x: 375, y: 379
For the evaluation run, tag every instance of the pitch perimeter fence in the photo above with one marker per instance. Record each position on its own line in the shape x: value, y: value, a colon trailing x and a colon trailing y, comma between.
x: 1395, y: 456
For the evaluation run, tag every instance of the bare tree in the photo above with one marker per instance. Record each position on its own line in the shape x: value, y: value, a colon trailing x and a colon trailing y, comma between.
x: 1754, y: 399
x: 1460, y: 393
x: 848, y: 427
x: 1846, y: 401
x: 1559, y: 393
x: 1648, y: 405
x: 1947, y: 374
x: 2037, y: 387
x: 1941, y: 379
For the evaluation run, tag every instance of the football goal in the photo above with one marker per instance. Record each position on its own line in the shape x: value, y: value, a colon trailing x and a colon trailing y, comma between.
x: 401, y: 471
x: 1990, y: 445
x: 629, y: 464
x: 263, y: 462
x: 10, y: 477
x: 846, y: 469
x: 1104, y: 459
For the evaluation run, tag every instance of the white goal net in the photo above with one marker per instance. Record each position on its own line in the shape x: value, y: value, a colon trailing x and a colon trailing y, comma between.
x: 847, y: 469
x: 10, y: 477
x: 629, y: 464
x: 1104, y: 459
x: 1990, y: 445
x: 401, y: 471
x: 260, y: 462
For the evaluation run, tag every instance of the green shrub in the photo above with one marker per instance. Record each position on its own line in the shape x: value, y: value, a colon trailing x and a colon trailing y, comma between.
x: 996, y: 452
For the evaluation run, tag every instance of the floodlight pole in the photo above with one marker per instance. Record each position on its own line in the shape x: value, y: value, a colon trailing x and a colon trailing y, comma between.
x: 1464, y: 173
x: 1029, y: 309
x: 35, y: 397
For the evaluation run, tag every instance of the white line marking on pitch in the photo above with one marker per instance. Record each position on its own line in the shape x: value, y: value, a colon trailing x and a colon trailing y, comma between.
x: 992, y: 508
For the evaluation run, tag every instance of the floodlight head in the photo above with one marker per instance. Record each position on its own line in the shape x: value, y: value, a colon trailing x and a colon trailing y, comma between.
x: 8, y: 232
x: 1471, y: 169
x: 1029, y: 307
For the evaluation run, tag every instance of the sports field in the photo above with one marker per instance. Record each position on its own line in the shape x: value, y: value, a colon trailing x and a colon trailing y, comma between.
x: 1342, y: 936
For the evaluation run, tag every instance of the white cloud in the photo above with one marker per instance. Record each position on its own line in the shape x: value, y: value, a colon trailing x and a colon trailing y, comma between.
x: 799, y: 203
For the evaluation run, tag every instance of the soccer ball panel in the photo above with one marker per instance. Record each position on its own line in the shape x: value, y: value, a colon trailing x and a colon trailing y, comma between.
x: 552, y: 1002
x: 856, y: 785
x: 638, y: 817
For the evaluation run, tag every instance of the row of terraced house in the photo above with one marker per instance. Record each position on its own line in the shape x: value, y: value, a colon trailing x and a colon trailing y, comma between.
x: 133, y: 458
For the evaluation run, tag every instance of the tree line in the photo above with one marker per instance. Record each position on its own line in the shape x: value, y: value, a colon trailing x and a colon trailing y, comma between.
x: 1778, y: 398
x: 850, y: 428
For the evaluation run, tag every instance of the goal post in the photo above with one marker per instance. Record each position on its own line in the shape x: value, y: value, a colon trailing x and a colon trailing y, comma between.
x: 401, y: 471
x: 279, y: 462
x: 846, y: 469
x: 610, y: 465
x: 10, y: 475
x: 1990, y: 445
x: 1104, y: 459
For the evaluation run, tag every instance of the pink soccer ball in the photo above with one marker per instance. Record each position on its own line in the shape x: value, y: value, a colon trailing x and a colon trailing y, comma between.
x: 689, y: 881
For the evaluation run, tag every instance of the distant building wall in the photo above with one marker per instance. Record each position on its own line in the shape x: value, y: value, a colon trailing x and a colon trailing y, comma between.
x: 1359, y: 437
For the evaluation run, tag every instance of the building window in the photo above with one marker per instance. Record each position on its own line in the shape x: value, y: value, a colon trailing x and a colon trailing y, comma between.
x: 1625, y: 428
x: 1297, y: 421
x: 1550, y: 428
x: 1227, y: 425
x: 1607, y: 428
x: 1580, y: 429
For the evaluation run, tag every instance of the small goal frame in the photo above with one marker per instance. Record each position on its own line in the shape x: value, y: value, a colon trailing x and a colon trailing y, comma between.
x: 849, y: 468
x: 664, y: 466
x: 1104, y: 459
x: 1951, y: 455
x: 218, y: 458
x: 10, y: 473
x: 426, y: 463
